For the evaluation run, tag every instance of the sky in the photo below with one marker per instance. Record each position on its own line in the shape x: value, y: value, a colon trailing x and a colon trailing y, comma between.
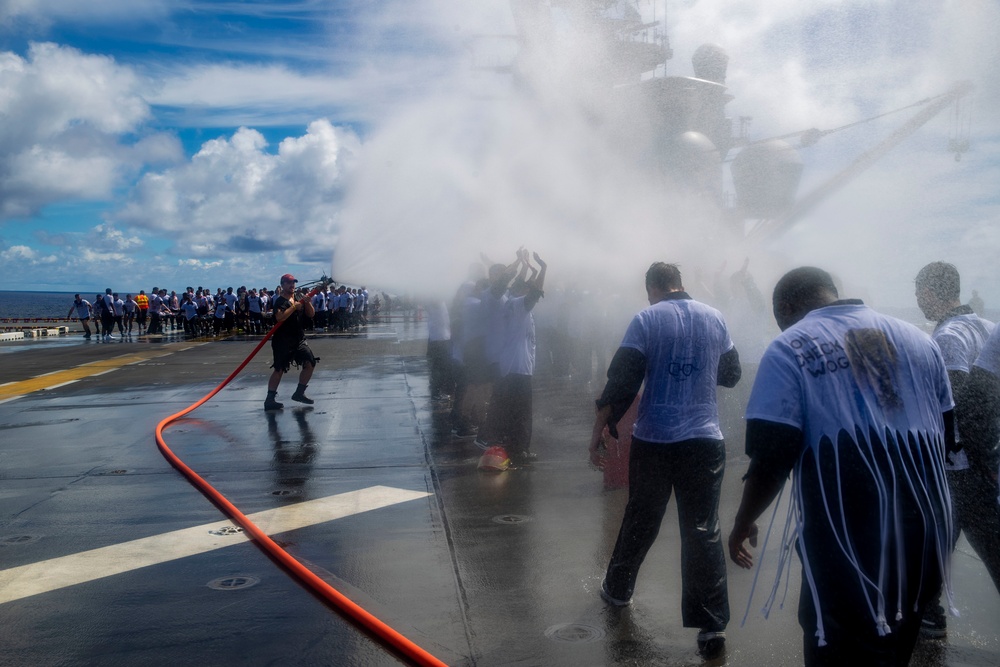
x: 391, y: 144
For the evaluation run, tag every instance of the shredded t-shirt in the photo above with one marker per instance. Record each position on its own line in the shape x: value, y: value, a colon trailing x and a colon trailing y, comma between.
x: 868, y: 393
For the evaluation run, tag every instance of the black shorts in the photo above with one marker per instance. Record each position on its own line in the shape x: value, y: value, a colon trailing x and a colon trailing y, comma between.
x: 284, y: 357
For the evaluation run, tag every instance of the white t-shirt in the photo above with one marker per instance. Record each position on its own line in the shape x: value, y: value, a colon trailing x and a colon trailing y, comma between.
x: 989, y: 356
x: 682, y: 340
x: 518, y: 355
x: 833, y: 370
x: 438, y: 324
x: 960, y: 339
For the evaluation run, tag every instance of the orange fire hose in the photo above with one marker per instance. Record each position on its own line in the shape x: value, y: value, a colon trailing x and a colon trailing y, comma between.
x: 378, y: 630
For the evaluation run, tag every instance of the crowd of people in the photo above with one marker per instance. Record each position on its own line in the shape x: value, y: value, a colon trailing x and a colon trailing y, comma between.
x: 199, y: 312
x: 859, y: 408
x: 481, y: 353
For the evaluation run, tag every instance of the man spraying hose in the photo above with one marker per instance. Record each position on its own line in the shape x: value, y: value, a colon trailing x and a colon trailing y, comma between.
x: 288, y: 342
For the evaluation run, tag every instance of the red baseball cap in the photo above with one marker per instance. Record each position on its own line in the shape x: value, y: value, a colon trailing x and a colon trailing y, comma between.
x: 289, y: 278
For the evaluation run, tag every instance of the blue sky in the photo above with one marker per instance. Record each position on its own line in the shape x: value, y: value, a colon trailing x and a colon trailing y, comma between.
x: 224, y: 143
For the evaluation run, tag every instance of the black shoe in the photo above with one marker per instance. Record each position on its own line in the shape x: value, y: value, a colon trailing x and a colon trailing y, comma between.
x: 612, y: 600
x: 271, y: 404
x: 302, y: 398
x: 523, y: 458
x: 934, y: 625
x: 711, y: 645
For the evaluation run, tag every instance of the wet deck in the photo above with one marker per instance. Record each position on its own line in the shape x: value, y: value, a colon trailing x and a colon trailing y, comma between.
x: 478, y: 569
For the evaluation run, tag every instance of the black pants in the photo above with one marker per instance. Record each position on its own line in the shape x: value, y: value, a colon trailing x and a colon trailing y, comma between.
x: 977, y: 514
x: 107, y: 322
x: 439, y: 362
x: 511, y: 402
x: 693, y: 469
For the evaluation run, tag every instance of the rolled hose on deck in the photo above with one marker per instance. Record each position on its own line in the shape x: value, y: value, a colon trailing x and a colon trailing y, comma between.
x: 378, y: 630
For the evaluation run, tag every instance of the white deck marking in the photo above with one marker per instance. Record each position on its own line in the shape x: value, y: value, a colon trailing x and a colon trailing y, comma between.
x: 49, y: 575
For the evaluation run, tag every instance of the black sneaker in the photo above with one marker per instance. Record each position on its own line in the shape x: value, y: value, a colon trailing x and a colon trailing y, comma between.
x: 711, y: 645
x: 934, y: 625
x: 271, y: 404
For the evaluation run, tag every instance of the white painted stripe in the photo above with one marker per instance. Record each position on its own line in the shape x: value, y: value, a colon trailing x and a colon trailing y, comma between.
x: 49, y: 575
x: 61, y: 384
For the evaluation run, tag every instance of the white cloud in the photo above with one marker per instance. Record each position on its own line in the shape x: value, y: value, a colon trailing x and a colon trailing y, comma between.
x: 18, y: 252
x: 64, y: 116
x: 236, y: 197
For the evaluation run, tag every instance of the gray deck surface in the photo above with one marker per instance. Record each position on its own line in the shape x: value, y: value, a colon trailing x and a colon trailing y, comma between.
x: 483, y: 569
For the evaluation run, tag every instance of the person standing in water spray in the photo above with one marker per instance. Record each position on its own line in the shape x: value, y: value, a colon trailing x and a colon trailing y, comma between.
x: 960, y: 334
x: 288, y: 343
x: 858, y: 404
x: 681, y: 350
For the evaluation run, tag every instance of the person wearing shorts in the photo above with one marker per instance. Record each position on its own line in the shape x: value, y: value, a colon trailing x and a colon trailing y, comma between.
x: 288, y: 343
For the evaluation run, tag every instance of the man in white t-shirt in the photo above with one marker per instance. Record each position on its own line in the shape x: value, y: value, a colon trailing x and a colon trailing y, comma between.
x: 83, y: 313
x: 442, y: 383
x: 119, y: 313
x: 960, y: 334
x: 319, y: 305
x: 512, y: 391
x: 681, y: 350
x: 859, y: 406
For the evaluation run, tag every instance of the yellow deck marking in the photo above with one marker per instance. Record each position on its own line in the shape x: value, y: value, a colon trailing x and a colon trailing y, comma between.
x: 20, y: 582
x: 90, y: 369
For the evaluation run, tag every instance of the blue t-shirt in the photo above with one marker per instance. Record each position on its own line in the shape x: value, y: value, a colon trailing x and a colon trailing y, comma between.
x: 682, y: 340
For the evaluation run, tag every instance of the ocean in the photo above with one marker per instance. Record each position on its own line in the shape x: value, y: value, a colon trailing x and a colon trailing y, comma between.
x: 37, y: 304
